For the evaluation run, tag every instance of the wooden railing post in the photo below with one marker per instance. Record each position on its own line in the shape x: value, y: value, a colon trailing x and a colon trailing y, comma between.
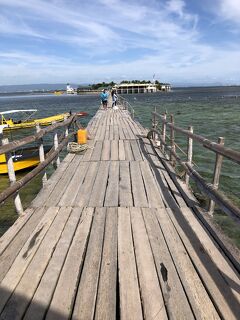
x: 172, y: 139
x: 164, y: 130
x: 216, y: 176
x: 41, y: 154
x: 12, y: 178
x: 55, y: 142
x: 189, y: 153
x: 66, y: 130
x: 154, y: 123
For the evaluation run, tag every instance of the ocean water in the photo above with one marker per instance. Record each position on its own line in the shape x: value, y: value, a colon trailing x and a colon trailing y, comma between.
x: 212, y: 111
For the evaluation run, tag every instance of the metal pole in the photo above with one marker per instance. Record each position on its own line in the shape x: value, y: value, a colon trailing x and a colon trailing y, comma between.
x: 12, y: 178
x: 216, y: 176
x: 189, y: 153
x: 41, y: 154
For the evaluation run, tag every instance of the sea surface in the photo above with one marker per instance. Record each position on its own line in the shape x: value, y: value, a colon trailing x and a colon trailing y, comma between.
x: 212, y: 111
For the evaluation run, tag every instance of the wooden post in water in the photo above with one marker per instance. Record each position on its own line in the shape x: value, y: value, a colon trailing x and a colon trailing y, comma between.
x: 172, y: 140
x: 164, y: 130
x: 55, y: 141
x: 12, y: 178
x: 41, y: 154
x: 189, y: 153
x: 216, y: 176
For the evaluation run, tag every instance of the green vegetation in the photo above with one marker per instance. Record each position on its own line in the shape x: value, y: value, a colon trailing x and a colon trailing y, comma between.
x: 102, y: 85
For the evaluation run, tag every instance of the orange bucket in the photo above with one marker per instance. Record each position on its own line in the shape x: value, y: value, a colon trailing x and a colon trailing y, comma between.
x: 82, y: 136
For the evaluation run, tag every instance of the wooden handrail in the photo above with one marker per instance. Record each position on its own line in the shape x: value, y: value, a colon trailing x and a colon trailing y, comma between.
x: 16, y: 186
x: 231, y: 154
x: 35, y: 137
x: 218, y: 197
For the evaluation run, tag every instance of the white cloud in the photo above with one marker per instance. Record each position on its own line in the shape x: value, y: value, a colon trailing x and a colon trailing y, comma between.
x: 230, y: 10
x: 107, y: 38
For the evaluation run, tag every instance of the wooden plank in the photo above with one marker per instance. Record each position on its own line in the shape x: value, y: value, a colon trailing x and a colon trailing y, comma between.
x: 106, y: 150
x: 107, y: 290
x: 201, y: 304
x: 175, y: 299
x: 114, y: 150
x: 85, y: 189
x: 69, y: 157
x: 128, y: 150
x: 115, y: 132
x: 59, y: 189
x: 120, y: 130
x: 100, y: 185
x: 215, y: 273
x: 50, y: 185
x: 11, y: 233
x: 129, y: 129
x: 87, y: 155
x: 130, y: 302
x: 15, y: 307
x: 87, y: 292
x: 177, y: 195
x: 16, y: 236
x: 64, y: 296
x: 25, y: 256
x: 153, y: 195
x: 111, y: 198
x: 96, y: 154
x: 152, y: 300
x: 44, y: 292
x: 121, y: 150
x: 72, y: 189
x: 125, y: 191
x: 138, y: 189
x: 111, y: 131
x: 154, y: 162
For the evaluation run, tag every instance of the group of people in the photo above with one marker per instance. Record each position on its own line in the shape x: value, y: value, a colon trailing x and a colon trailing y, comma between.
x: 104, y: 98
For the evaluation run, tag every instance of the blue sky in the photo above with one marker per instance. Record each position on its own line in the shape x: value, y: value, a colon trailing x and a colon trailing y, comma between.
x: 78, y: 41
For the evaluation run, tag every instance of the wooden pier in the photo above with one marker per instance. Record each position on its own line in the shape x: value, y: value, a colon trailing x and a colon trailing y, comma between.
x: 112, y: 235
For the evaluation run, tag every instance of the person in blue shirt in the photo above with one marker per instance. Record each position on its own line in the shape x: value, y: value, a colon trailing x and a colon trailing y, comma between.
x: 104, y: 98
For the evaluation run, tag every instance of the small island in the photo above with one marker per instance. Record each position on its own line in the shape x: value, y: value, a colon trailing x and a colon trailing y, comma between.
x: 126, y: 87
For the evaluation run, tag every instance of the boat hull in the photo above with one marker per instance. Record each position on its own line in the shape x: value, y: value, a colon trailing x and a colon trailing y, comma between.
x: 23, y: 159
x: 32, y: 123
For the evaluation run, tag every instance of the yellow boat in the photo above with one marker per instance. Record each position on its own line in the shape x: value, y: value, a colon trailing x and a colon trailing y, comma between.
x: 23, y: 159
x: 11, y: 124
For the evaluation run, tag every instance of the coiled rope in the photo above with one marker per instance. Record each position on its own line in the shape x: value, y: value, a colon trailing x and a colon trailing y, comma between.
x: 74, y: 147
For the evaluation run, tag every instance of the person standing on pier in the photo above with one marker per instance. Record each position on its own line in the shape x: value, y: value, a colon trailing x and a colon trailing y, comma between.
x: 104, y: 98
x: 114, y: 98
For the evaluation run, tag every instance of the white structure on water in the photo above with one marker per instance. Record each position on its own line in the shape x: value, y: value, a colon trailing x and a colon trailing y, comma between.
x: 139, y: 87
x: 70, y: 90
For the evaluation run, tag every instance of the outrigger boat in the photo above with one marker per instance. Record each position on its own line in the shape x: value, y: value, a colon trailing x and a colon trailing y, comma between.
x: 28, y: 122
x: 23, y: 159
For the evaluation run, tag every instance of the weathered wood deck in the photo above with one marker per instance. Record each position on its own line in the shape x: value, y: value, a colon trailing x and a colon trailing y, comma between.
x: 110, y: 236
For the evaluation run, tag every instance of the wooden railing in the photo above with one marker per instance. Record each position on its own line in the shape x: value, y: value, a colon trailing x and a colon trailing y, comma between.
x: 126, y: 105
x: 58, y: 144
x: 159, y: 135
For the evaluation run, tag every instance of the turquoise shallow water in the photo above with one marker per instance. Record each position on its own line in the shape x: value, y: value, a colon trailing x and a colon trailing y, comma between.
x: 213, y: 112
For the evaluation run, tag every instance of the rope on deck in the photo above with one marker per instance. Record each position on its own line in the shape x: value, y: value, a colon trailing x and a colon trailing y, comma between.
x: 74, y: 147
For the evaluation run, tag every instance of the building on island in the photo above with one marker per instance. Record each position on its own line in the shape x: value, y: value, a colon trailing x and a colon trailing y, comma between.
x: 140, y: 87
x: 70, y: 90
